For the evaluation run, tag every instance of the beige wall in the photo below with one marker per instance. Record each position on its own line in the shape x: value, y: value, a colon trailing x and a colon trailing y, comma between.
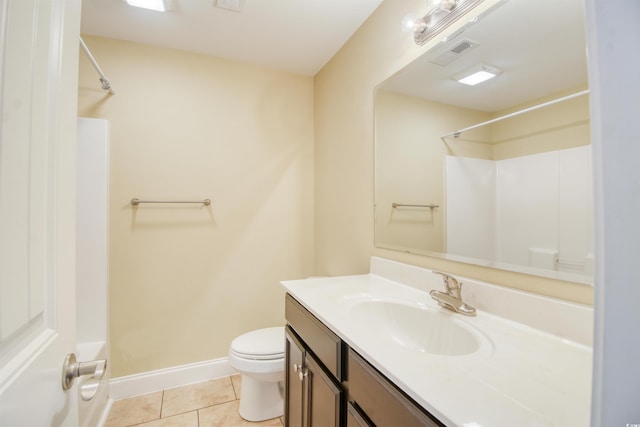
x: 185, y: 280
x: 409, y: 163
x: 344, y: 155
x: 556, y: 127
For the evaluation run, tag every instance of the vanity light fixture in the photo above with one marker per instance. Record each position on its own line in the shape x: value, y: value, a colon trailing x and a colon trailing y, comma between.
x: 477, y: 74
x: 157, y: 5
x: 440, y: 13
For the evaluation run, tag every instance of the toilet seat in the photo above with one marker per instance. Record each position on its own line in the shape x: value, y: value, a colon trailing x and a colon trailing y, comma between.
x: 274, y: 356
x: 261, y: 344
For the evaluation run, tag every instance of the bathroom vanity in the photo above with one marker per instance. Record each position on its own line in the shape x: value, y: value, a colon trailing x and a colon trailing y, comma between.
x: 366, y: 350
x: 321, y: 370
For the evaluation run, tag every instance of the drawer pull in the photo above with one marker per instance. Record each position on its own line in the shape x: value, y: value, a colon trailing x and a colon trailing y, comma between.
x: 302, y: 373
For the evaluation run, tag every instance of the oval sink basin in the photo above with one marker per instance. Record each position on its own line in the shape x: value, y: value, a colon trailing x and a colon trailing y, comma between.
x: 416, y: 328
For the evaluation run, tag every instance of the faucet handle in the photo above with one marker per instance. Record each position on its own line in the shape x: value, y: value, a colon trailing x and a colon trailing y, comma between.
x: 452, y: 284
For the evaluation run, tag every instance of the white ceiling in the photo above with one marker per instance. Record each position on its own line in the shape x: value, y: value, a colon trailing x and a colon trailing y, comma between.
x: 299, y: 36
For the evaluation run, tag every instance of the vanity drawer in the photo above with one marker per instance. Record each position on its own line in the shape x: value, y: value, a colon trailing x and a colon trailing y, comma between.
x: 355, y: 418
x: 325, y: 345
x: 380, y: 401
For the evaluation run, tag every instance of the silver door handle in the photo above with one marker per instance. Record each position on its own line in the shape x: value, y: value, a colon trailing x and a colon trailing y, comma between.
x: 72, y: 369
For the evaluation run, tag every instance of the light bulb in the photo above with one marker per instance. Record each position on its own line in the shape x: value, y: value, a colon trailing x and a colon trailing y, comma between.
x: 409, y: 22
x: 447, y: 4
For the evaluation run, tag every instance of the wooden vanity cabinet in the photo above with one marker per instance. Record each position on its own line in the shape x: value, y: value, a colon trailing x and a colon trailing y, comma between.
x: 327, y: 347
x: 314, y: 364
x: 355, y: 418
x: 312, y: 397
x: 330, y: 385
x: 377, y: 402
x: 294, y: 387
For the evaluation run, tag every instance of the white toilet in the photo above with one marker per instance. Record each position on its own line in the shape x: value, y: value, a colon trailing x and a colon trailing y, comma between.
x: 259, y: 356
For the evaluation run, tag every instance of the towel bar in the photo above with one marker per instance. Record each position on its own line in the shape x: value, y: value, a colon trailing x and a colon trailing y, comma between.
x: 398, y: 205
x: 135, y: 201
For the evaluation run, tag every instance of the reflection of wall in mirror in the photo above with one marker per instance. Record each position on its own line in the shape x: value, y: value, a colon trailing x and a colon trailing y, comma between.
x: 410, y: 157
x: 410, y: 167
x: 555, y: 127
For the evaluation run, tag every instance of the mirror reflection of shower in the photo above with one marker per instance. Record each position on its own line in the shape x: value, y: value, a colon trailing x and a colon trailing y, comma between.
x: 537, y: 103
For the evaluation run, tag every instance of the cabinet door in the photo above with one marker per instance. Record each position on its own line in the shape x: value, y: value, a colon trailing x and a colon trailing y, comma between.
x: 294, y: 356
x: 355, y: 418
x: 324, y: 396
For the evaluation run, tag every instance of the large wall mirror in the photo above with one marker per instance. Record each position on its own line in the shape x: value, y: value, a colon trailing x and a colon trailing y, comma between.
x: 497, y: 173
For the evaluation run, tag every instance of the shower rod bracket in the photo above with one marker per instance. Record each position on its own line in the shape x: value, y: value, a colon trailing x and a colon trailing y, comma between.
x: 106, y: 85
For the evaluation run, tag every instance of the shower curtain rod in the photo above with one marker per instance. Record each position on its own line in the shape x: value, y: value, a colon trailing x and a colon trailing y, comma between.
x: 106, y: 85
x: 516, y: 113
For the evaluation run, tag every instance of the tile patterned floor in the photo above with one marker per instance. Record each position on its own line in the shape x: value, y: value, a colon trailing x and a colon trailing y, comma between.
x: 208, y: 404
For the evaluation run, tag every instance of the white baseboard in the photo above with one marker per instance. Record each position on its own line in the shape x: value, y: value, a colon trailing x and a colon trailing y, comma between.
x: 152, y: 381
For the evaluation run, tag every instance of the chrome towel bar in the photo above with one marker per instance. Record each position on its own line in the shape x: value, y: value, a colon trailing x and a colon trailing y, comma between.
x: 135, y: 201
x: 399, y: 205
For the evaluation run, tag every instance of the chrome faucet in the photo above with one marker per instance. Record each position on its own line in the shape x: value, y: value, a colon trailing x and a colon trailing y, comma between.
x: 452, y: 298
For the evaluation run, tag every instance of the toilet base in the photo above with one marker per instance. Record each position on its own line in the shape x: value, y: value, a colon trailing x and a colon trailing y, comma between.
x: 261, y: 400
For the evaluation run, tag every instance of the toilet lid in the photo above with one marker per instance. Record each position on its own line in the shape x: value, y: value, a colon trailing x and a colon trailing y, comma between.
x: 265, y: 343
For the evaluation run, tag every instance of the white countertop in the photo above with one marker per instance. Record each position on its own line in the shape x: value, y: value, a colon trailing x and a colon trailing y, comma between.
x: 520, y: 376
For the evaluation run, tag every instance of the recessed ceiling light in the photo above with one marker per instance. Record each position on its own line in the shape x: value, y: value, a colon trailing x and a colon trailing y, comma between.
x: 158, y: 5
x: 476, y: 74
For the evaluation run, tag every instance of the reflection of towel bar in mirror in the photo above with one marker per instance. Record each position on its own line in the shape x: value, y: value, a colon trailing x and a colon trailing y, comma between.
x: 135, y: 201
x: 402, y: 205
x: 516, y: 113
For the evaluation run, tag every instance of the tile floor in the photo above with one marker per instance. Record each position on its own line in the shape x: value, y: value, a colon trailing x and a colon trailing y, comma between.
x: 208, y: 404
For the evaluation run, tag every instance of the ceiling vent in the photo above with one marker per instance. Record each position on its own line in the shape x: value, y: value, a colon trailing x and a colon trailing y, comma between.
x: 455, y: 52
x: 233, y: 5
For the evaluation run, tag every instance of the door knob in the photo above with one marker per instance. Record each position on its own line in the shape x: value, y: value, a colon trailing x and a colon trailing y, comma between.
x: 72, y: 369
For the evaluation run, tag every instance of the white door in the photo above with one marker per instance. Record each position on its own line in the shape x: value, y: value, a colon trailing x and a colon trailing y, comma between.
x: 38, y: 109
